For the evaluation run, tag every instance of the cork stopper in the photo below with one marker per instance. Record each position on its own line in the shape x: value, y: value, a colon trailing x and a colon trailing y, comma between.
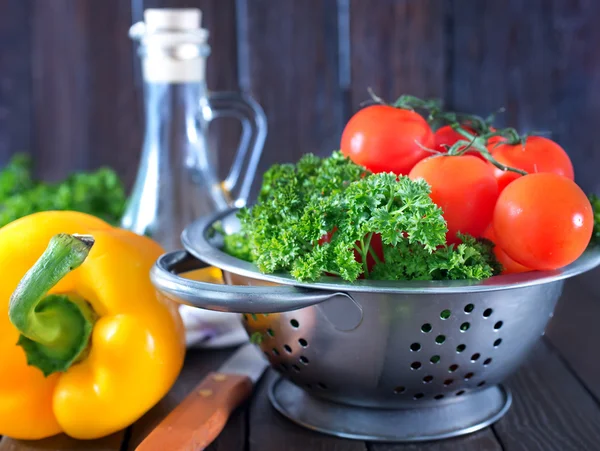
x: 171, y: 20
x: 173, y: 45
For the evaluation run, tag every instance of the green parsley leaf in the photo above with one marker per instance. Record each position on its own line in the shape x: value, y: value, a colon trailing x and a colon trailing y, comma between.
x: 472, y: 259
x: 98, y: 193
x: 321, y: 216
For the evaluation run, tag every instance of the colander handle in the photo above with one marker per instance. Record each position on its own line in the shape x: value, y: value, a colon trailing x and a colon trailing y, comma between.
x: 228, y: 298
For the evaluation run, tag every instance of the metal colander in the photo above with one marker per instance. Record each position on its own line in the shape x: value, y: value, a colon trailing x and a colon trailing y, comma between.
x: 394, y: 361
x: 397, y: 353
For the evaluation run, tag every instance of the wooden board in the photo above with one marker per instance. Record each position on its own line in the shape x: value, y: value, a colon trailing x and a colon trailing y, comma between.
x: 270, y: 431
x: 68, y: 92
x: 479, y: 441
x: 537, y: 59
x: 574, y: 329
x: 87, y: 102
x: 292, y: 74
x: 63, y: 443
x: 85, y: 107
x: 15, y: 70
x: 551, y: 410
x: 397, y: 47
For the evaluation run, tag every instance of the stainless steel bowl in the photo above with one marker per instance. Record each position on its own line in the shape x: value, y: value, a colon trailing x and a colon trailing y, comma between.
x: 411, y: 346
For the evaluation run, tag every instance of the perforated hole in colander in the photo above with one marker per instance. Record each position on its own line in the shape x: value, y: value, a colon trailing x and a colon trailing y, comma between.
x: 438, y: 397
x: 461, y: 347
x: 469, y: 308
x: 270, y: 333
x: 440, y: 339
x: 453, y: 368
x: 498, y: 325
x: 448, y: 382
x: 304, y: 360
x: 445, y: 314
x: 465, y: 326
x: 460, y: 392
x: 283, y: 366
x: 399, y: 390
x: 435, y: 359
x: 287, y: 348
x: 497, y: 342
x: 302, y: 342
x: 275, y: 351
x: 487, y: 361
x: 415, y: 347
x: 428, y: 379
x: 415, y: 365
x: 469, y: 376
x: 475, y: 357
x: 418, y: 396
x: 294, y: 323
x: 296, y: 368
x: 487, y: 312
x: 481, y: 384
x: 426, y: 328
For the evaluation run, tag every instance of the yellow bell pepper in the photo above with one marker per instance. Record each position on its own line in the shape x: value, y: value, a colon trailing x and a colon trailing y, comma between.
x: 86, y: 346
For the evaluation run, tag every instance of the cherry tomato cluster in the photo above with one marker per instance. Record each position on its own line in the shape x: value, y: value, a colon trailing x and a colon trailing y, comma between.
x: 518, y: 192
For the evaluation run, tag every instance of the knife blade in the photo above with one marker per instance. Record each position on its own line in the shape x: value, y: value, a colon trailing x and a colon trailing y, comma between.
x: 201, y: 416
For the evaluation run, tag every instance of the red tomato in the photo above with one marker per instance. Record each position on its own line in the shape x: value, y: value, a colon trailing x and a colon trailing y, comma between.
x: 494, y: 141
x: 464, y: 188
x: 539, y: 154
x: 509, y: 266
x: 386, y: 139
x: 446, y: 136
x: 543, y: 221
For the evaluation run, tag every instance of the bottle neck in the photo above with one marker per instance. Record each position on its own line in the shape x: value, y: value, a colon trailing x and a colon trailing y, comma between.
x: 177, y: 180
x: 175, y: 107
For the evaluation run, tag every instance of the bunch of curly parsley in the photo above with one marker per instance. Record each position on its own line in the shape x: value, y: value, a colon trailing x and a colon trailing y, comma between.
x: 98, y: 193
x: 313, y: 218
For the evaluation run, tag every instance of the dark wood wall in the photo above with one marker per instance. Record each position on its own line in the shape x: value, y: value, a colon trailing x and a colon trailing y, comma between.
x: 70, y: 96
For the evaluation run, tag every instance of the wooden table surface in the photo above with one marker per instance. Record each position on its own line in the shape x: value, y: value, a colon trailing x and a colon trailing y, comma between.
x: 556, y: 402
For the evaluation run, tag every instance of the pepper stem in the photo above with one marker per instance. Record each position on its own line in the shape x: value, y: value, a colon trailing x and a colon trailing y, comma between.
x: 55, y: 329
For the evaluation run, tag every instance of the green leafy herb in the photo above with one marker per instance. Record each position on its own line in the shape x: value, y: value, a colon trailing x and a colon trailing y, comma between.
x: 16, y: 176
x: 98, y: 193
x: 472, y: 259
x: 322, y: 216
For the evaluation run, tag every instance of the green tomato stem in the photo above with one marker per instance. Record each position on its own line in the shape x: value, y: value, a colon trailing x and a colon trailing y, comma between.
x: 55, y: 329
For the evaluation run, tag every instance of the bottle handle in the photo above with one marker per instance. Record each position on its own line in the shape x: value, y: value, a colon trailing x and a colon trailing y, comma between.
x: 254, y: 133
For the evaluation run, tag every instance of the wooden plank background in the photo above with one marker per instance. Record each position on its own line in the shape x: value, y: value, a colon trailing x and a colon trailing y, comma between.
x: 69, y: 93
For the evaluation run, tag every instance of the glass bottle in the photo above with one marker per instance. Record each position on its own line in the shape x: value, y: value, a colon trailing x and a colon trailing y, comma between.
x: 177, y: 180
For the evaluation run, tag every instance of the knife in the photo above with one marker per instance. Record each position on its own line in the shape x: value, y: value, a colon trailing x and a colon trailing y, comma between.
x: 202, y: 415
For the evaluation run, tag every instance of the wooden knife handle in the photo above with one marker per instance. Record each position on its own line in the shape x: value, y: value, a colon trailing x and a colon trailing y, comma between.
x: 201, y: 416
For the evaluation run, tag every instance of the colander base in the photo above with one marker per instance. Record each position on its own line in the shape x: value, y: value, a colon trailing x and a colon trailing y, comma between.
x: 473, y: 412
